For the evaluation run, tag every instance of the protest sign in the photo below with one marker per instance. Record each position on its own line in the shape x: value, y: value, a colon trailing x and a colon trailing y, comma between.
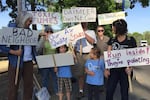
x: 66, y: 36
x: 127, y: 57
x: 18, y: 36
x: 62, y: 59
x: 79, y: 14
x: 46, y: 18
x: 108, y: 18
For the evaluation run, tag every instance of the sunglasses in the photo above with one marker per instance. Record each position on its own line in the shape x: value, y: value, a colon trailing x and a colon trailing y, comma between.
x: 100, y: 31
x: 49, y: 32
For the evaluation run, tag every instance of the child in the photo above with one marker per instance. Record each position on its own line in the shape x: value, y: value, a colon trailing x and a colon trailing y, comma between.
x: 64, y: 76
x: 94, y: 68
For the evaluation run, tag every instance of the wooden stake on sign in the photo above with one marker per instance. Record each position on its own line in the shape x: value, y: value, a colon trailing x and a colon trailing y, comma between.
x: 54, y: 60
x: 36, y: 82
x: 130, y: 84
x: 72, y: 50
x: 81, y: 47
x: 17, y: 69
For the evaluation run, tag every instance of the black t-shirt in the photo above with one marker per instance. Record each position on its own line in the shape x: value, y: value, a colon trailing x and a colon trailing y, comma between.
x: 129, y: 42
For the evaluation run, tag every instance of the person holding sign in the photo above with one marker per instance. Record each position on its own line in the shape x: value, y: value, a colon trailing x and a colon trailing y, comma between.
x: 115, y: 75
x: 64, y: 76
x: 94, y: 68
x: 82, y: 48
x: 25, y: 65
x: 45, y: 48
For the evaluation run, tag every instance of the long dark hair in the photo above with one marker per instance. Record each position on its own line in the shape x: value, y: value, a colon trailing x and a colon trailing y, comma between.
x: 57, y: 49
x: 120, y: 26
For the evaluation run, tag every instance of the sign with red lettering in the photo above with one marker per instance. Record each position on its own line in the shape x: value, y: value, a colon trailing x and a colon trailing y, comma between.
x: 127, y: 57
x: 66, y: 36
x: 46, y: 18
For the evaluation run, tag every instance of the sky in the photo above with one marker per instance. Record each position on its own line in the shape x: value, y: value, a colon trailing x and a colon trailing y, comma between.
x: 138, y: 19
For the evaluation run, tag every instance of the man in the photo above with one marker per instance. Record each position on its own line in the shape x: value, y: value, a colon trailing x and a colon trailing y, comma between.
x: 82, y: 48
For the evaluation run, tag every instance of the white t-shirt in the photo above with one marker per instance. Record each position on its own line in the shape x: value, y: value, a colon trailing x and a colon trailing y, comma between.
x: 86, y: 46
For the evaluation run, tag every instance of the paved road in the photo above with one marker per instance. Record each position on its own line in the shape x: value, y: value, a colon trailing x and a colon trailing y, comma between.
x: 141, y: 86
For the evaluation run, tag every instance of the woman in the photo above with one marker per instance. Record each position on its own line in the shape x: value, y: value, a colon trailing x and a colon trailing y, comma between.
x: 45, y: 48
x: 115, y: 75
x: 26, y: 64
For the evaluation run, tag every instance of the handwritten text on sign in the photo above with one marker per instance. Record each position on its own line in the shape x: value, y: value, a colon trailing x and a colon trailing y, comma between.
x: 108, y: 18
x: 127, y: 57
x: 18, y: 36
x: 66, y: 36
x: 79, y: 14
x: 45, y: 17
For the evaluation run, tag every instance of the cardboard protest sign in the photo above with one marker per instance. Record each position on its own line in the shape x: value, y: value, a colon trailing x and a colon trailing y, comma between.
x: 79, y: 14
x: 62, y: 59
x: 108, y: 18
x: 18, y: 36
x: 66, y: 36
x: 127, y: 57
x: 49, y: 18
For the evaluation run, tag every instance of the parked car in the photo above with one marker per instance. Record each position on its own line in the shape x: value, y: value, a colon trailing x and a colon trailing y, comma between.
x: 143, y: 43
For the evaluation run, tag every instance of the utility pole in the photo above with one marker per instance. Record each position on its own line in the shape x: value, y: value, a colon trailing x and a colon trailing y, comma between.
x: 19, y: 4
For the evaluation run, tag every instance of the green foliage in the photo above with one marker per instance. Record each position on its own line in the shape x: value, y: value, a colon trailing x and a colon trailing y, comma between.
x: 146, y: 36
x: 102, y: 6
x: 144, y: 3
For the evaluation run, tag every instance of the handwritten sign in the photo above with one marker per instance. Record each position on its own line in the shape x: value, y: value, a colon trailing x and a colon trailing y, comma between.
x: 127, y: 57
x: 40, y: 17
x: 108, y: 18
x: 62, y: 59
x: 66, y: 36
x: 79, y: 14
x: 18, y: 36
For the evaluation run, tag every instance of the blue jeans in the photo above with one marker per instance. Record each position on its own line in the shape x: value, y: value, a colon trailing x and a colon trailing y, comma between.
x: 45, y: 74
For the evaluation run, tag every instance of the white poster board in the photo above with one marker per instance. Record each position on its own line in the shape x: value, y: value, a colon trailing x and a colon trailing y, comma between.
x: 127, y: 57
x: 18, y: 36
x: 66, y: 36
x: 62, y: 59
x: 46, y: 18
x: 108, y: 18
x: 79, y: 14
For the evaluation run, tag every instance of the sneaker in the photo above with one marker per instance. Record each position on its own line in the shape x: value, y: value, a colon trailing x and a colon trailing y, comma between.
x: 81, y: 94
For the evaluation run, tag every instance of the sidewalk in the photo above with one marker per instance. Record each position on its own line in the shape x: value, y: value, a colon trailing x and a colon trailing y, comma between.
x: 3, y: 66
x: 141, y: 86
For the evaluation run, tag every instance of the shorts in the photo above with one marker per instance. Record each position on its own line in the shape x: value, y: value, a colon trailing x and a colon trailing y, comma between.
x: 64, y: 82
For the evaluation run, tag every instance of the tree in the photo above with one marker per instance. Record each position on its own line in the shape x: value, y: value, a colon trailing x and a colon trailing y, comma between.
x: 146, y: 36
x: 102, y: 6
x: 138, y: 37
x: 144, y: 3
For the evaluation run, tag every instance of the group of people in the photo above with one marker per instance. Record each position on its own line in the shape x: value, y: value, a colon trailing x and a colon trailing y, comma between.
x: 90, y: 63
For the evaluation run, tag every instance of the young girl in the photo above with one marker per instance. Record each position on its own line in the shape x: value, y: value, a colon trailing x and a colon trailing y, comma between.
x: 94, y: 68
x: 64, y: 76
x: 115, y: 75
